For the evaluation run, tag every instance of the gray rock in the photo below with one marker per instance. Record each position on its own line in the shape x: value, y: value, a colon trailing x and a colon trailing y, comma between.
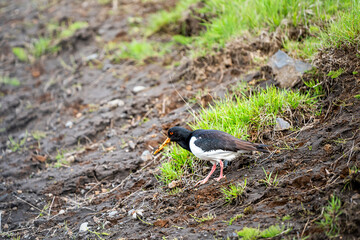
x: 113, y: 213
x: 137, y: 89
x: 132, y: 145
x: 146, y: 156
x: 281, y: 124
x: 69, y: 124
x: 287, y: 70
x: 115, y: 103
x: 83, y: 227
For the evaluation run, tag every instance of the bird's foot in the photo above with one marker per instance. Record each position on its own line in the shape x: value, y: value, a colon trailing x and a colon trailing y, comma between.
x: 201, y: 182
x: 219, y: 178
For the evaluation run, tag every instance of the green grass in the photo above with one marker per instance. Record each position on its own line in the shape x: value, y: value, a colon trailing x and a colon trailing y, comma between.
x: 345, y: 30
x: 9, y: 81
x: 163, y: 18
x: 49, y: 43
x: 237, y: 114
x: 239, y: 16
x: 17, y: 145
x: 233, y: 219
x: 43, y: 46
x: 248, y: 233
x: 61, y: 160
x: 255, y: 233
x: 136, y: 50
x: 233, y: 193
x: 268, y: 180
x: 181, y: 163
x: 20, y: 53
x: 336, y: 74
x: 330, y: 218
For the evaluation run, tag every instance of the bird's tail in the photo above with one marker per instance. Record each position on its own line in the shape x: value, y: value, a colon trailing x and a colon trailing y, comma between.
x: 262, y: 148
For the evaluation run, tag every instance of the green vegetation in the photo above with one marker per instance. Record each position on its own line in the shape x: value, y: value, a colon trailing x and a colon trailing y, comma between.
x: 209, y: 217
x: 61, y: 161
x: 136, y: 50
x: 345, y: 30
x: 269, y: 182
x: 330, y: 218
x: 234, y: 18
x: 234, y: 193
x: 254, y: 233
x: 238, y: 113
x: 48, y: 43
x: 174, y: 169
x: 162, y: 18
x: 233, y: 219
x: 17, y: 145
x: 249, y: 233
x: 20, y: 53
x: 42, y: 46
x: 315, y: 87
x: 38, y: 135
x: 337, y: 73
x: 9, y: 81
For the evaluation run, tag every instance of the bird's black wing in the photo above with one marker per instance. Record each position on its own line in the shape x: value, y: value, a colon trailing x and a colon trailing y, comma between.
x: 209, y: 140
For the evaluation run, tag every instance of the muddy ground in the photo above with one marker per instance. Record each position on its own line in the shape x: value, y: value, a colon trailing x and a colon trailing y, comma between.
x: 107, y: 144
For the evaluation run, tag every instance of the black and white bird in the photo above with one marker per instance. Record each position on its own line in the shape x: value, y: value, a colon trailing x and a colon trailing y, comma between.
x: 211, y: 145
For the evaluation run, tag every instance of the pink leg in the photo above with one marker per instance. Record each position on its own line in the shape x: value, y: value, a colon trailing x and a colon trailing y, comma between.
x: 221, y: 171
x: 208, y: 176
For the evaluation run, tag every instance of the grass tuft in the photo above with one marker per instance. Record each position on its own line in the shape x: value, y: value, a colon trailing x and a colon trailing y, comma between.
x: 330, y: 220
x: 163, y: 18
x: 9, y: 81
x: 20, y: 53
x: 345, y: 30
x: 234, y: 193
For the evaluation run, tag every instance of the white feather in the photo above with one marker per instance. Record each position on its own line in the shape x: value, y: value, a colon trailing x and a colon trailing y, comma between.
x: 214, y: 155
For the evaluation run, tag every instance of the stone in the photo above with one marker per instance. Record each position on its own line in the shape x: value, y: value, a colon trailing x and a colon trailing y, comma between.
x: 281, y: 124
x: 115, y: 103
x: 287, y: 69
x: 83, y: 227
x: 137, y: 89
x: 69, y: 124
x: 113, y: 213
x: 146, y: 156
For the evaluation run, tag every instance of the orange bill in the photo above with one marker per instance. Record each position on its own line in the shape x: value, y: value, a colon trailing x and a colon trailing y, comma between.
x: 162, y: 146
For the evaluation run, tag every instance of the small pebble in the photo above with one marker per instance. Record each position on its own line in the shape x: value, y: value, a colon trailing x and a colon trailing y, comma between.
x: 69, y: 124
x: 61, y: 211
x: 19, y: 191
x: 137, y: 89
x: 83, y: 227
x: 146, y: 156
x: 132, y: 145
x: 6, y: 226
x: 115, y: 103
x: 113, y: 213
x: 281, y: 124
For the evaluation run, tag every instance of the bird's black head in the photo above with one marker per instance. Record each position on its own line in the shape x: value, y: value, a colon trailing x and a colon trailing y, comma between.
x: 179, y: 134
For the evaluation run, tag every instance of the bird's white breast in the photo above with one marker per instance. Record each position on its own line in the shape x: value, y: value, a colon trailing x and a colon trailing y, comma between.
x: 214, y: 155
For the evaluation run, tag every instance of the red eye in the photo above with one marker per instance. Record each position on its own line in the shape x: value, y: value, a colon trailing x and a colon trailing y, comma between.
x: 171, y: 133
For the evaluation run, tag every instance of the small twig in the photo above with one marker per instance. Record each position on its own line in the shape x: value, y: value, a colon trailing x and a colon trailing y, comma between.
x: 28, y: 203
x: 143, y: 221
x: 0, y: 221
x: 303, y: 231
x: 52, y: 202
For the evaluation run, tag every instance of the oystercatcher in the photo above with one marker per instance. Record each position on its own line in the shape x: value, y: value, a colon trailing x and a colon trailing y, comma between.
x: 212, y: 145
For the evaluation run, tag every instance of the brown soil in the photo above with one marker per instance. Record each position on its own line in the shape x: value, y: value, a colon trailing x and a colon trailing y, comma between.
x: 105, y: 144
